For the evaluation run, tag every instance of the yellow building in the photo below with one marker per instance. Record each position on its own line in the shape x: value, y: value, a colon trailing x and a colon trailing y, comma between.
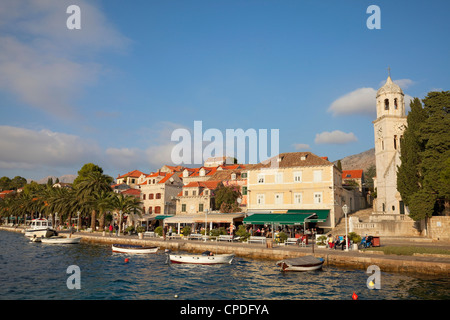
x: 298, y: 182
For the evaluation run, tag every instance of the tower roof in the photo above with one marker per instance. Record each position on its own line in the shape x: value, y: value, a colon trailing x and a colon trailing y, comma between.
x: 389, y: 87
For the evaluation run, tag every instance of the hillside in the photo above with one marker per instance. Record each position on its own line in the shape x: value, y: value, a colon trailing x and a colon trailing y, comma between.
x: 363, y: 160
x: 67, y: 178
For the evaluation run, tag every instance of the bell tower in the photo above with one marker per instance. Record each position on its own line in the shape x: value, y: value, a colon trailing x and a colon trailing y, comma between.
x: 389, y: 127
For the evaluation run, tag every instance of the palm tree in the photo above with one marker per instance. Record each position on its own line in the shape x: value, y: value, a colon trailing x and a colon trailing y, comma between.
x: 126, y: 204
x: 94, y: 182
x: 103, y: 201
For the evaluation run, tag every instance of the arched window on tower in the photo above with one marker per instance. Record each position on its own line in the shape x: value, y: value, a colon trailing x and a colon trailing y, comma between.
x: 386, y: 104
x: 395, y: 142
x: 395, y: 104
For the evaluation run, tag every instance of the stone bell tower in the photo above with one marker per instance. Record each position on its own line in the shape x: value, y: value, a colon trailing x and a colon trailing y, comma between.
x: 389, y: 127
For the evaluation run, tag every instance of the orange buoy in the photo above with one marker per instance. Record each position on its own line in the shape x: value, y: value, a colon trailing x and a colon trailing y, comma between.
x: 354, y: 296
x: 127, y: 260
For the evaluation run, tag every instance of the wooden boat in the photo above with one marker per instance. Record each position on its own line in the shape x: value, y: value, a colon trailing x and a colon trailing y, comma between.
x: 61, y: 240
x: 206, y: 257
x: 128, y: 248
x: 306, y: 263
x: 40, y: 228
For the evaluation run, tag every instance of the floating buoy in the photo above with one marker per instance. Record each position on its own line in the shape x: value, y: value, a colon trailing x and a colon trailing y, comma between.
x: 127, y: 260
x: 354, y: 296
x: 371, y: 285
x: 175, y: 296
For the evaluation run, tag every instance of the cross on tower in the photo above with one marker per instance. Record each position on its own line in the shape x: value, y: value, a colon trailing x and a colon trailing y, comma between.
x: 389, y: 71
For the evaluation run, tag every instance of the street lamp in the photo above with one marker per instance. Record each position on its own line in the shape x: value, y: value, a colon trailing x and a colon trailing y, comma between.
x: 206, y: 223
x: 78, y: 221
x: 345, y: 209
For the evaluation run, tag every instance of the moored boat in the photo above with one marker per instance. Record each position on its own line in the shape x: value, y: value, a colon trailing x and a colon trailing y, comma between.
x: 40, y: 228
x: 128, y: 248
x: 206, y: 257
x: 61, y: 240
x: 306, y: 263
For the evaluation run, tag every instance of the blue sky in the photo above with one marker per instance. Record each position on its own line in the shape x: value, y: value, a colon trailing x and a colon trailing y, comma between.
x: 113, y: 92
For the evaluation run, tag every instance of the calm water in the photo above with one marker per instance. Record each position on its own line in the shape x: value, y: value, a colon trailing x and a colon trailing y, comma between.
x: 39, y: 271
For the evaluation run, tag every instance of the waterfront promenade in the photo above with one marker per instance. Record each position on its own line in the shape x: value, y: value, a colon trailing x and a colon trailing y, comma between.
x: 424, y: 264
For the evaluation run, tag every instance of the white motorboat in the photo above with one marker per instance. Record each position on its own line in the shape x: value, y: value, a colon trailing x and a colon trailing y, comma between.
x: 40, y: 228
x: 128, y: 248
x: 306, y: 263
x: 61, y: 240
x: 206, y: 257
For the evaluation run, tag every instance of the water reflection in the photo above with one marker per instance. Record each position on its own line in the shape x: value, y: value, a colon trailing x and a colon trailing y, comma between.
x: 38, y: 271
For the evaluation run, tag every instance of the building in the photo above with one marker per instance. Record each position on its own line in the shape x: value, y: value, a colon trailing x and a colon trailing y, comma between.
x: 353, y: 178
x: 130, y: 178
x: 158, y: 192
x: 301, y: 183
x: 196, y: 198
x: 388, y: 127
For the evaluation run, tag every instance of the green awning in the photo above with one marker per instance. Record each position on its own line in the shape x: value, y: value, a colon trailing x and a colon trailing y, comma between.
x: 319, y: 215
x: 277, y: 218
x: 162, y: 217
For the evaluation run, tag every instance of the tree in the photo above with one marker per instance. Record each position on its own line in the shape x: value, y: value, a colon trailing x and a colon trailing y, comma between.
x: 434, y: 133
x: 126, y: 204
x: 226, y: 198
x: 84, y: 172
x: 94, y: 181
x: 425, y: 150
x: 409, y: 178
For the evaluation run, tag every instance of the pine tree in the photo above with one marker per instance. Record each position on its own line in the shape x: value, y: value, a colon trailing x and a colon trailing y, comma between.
x: 434, y: 133
x: 409, y: 179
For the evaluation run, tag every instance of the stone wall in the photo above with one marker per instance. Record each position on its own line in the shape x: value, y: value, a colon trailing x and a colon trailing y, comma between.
x: 387, y: 225
x: 439, y: 228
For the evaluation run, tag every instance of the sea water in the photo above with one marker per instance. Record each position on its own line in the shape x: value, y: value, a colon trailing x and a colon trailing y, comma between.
x: 30, y: 270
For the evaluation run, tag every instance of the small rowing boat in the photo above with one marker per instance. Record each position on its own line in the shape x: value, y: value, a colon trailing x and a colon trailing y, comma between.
x: 306, y: 263
x: 128, y: 248
x: 61, y: 240
x: 206, y: 257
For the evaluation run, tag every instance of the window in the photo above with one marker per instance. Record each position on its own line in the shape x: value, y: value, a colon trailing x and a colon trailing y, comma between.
x: 298, y: 176
x: 297, y: 198
x: 158, y: 196
x: 278, y: 198
x: 150, y: 210
x: 186, y: 193
x: 244, y: 175
x: 317, y: 175
x: 183, y: 207
x: 317, y: 197
x: 200, y: 207
x: 395, y: 142
x: 206, y: 192
x: 386, y: 104
x: 395, y: 104
x: 244, y: 191
x: 194, y: 192
x: 150, y: 196
x: 143, y: 196
x: 279, y: 177
x: 261, y: 178
x: 157, y: 209
x: 260, y: 199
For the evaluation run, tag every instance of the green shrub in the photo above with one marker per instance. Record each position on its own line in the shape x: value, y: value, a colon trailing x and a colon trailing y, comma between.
x: 242, y: 233
x: 140, y: 229
x: 159, y: 231
x: 322, y: 241
x: 353, y: 236
x: 282, y: 236
x: 186, y: 231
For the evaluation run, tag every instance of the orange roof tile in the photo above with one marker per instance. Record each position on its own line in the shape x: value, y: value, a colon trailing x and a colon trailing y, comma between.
x: 352, y: 174
x: 134, y: 174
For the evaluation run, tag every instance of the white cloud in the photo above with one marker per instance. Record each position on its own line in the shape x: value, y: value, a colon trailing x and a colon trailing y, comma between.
x: 301, y: 146
x: 402, y: 83
x: 46, y: 65
x: 359, y: 101
x: 335, y: 137
x: 27, y: 149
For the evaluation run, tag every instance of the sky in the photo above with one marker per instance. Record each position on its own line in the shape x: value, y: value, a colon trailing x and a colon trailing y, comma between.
x: 113, y: 92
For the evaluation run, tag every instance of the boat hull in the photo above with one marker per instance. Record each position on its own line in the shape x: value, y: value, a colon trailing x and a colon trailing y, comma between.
x: 301, y: 264
x: 61, y: 240
x: 201, y: 259
x: 133, y: 249
x: 42, y: 233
